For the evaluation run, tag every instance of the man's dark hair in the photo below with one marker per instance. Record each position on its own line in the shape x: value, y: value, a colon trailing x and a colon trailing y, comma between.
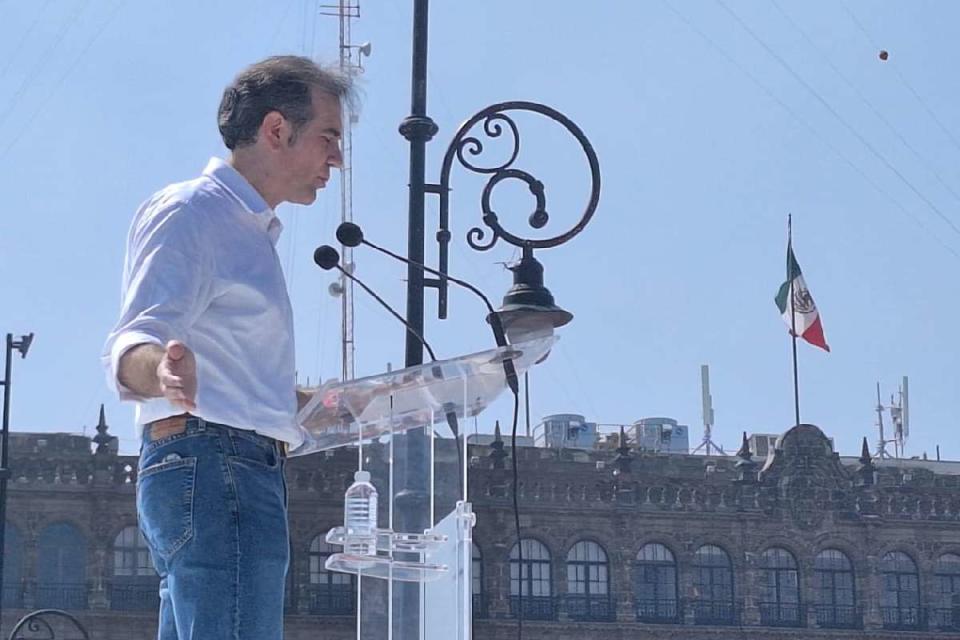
x: 279, y: 83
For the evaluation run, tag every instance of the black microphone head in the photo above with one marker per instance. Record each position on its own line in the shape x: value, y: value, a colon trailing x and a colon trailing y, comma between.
x: 349, y: 234
x: 326, y: 257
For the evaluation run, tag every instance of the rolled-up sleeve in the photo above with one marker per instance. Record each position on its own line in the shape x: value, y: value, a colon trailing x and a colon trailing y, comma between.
x: 166, y: 283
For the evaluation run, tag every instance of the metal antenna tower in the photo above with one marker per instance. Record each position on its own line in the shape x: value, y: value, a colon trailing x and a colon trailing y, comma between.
x: 903, y: 415
x: 707, y: 444
x: 900, y: 417
x: 350, y: 63
x: 882, y: 442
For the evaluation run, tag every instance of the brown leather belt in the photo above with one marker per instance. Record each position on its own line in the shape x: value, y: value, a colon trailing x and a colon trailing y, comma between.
x: 166, y: 427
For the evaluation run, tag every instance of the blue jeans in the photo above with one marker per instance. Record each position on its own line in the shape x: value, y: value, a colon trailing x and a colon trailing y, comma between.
x: 212, y: 505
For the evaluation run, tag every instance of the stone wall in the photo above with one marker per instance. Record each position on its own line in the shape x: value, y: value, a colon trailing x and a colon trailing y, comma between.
x: 802, y: 499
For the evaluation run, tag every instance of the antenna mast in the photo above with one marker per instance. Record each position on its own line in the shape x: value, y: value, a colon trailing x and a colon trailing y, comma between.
x: 905, y: 408
x: 900, y: 416
x: 350, y: 63
x: 707, y: 444
x: 882, y: 442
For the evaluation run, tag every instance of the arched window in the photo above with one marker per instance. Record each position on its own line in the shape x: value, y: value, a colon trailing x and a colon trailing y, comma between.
x: 833, y: 586
x: 135, y: 585
x: 588, y: 582
x: 12, y: 568
x: 713, y: 587
x: 946, y: 615
x: 780, y: 590
x: 61, y: 568
x: 329, y: 592
x: 131, y: 556
x: 476, y: 582
x: 655, y: 584
x: 532, y: 581
x: 900, y: 603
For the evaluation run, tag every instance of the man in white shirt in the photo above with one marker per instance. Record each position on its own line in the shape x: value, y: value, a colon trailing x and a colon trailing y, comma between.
x: 204, y: 346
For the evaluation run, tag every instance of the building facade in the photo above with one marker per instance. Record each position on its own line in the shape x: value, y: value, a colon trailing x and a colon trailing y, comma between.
x: 623, y: 543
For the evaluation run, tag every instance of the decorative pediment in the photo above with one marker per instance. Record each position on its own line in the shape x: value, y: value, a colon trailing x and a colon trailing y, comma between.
x: 805, y: 452
x: 806, y: 475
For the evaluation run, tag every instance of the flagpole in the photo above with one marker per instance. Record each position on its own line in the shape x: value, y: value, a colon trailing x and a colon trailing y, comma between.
x: 793, y: 322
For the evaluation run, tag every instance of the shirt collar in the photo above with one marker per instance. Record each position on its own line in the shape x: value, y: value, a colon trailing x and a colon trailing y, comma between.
x: 234, y: 182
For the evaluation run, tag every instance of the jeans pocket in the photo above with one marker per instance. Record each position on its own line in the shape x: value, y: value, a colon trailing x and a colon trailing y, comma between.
x: 165, y: 504
x: 254, y: 452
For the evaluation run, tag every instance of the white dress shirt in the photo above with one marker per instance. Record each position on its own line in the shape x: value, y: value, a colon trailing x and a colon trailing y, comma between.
x: 202, y: 267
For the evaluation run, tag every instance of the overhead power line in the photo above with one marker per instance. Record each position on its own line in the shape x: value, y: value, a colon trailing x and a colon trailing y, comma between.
x: 756, y: 81
x: 34, y: 72
x: 839, y: 117
x: 902, y: 78
x: 923, y: 161
x: 76, y: 62
x: 23, y: 38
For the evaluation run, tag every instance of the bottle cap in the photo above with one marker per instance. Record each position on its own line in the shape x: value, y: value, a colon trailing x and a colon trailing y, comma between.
x: 362, y: 476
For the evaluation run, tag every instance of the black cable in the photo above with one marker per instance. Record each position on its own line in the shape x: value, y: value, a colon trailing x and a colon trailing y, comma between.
x: 494, y: 318
x: 516, y: 513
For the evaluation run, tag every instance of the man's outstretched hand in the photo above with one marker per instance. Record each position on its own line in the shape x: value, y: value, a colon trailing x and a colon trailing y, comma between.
x: 177, y: 375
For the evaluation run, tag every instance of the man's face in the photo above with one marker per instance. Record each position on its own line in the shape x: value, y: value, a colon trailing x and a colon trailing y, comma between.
x: 305, y: 165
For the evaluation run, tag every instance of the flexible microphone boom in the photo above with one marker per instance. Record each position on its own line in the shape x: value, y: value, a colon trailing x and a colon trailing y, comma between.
x: 328, y: 258
x: 351, y: 235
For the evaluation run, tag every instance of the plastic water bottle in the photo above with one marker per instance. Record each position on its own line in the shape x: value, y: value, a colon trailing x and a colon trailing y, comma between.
x: 360, y: 516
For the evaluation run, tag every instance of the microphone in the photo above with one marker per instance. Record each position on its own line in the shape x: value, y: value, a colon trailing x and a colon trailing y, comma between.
x: 327, y: 258
x: 351, y: 235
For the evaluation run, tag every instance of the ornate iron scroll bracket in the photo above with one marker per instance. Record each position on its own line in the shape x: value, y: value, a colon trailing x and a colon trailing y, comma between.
x: 466, y: 148
x: 44, y: 624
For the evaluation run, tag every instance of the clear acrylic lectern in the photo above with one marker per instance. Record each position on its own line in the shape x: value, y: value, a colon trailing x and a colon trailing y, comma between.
x: 417, y: 585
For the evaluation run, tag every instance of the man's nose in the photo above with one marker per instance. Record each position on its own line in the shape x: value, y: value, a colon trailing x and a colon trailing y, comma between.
x: 336, y: 158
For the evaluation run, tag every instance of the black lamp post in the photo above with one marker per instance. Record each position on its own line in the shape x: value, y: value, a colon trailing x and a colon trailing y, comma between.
x: 22, y: 345
x: 528, y: 307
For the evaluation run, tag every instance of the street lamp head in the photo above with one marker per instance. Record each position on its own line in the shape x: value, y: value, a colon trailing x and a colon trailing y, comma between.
x: 528, y: 309
x: 23, y: 345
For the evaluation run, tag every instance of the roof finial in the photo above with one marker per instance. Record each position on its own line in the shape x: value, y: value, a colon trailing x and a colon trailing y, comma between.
x: 866, y: 470
x: 745, y: 465
x: 744, y: 452
x: 497, y: 454
x: 103, y: 439
x: 623, y: 459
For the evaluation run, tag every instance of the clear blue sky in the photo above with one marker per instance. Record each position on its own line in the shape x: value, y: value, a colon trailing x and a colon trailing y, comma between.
x: 706, y: 137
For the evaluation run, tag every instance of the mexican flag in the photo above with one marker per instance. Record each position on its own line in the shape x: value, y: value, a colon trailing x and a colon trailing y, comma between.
x: 806, y: 319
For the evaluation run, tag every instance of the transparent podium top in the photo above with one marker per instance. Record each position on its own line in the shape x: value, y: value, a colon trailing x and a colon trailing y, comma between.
x: 340, y: 413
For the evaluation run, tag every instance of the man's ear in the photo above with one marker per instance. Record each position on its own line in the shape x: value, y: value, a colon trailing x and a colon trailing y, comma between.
x: 274, y: 130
